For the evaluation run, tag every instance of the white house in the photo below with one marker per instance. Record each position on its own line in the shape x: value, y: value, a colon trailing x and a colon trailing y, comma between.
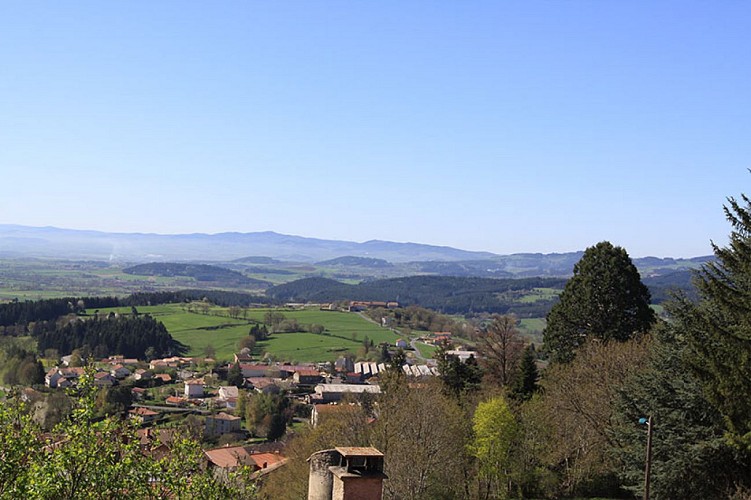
x: 194, y: 388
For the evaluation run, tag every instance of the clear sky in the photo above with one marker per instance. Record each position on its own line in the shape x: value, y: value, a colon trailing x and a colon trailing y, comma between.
x: 530, y: 126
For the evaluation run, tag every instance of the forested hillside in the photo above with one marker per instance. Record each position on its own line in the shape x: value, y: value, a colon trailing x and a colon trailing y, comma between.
x: 459, y: 295
x: 450, y: 295
x: 130, y: 336
x: 199, y: 272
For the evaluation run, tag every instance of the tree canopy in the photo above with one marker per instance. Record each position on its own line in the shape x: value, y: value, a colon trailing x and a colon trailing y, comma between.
x: 718, y: 326
x: 605, y: 299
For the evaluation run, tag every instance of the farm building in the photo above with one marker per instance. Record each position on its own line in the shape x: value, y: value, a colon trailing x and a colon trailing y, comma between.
x: 329, y: 393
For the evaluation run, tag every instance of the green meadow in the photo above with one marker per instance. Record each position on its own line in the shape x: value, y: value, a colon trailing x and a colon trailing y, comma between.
x: 538, y: 294
x: 531, y: 329
x: 344, y: 332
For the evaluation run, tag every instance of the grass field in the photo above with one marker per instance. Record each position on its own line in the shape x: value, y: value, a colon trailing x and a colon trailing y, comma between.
x: 531, y: 328
x: 426, y: 351
x: 538, y: 294
x: 305, y: 347
x: 344, y: 332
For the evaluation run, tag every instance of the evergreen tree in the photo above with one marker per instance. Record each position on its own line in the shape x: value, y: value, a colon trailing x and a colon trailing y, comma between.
x: 458, y: 377
x: 718, y: 327
x: 525, y: 383
x: 605, y: 299
x: 691, y: 459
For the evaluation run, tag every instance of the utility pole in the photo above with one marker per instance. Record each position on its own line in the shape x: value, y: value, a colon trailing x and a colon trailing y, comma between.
x: 648, y: 466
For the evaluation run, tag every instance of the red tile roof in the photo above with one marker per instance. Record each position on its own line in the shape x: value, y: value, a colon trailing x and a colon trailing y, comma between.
x: 266, y: 460
x: 144, y: 412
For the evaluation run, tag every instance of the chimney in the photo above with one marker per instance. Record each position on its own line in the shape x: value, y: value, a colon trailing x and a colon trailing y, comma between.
x: 352, y: 473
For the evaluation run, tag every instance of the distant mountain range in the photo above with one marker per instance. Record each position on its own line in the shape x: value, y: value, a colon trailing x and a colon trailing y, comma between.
x: 274, y: 253
x: 24, y: 241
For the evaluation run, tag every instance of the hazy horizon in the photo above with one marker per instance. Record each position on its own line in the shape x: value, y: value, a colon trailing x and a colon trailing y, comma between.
x: 532, y: 251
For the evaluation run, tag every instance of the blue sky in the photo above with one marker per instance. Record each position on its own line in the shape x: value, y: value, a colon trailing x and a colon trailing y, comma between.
x: 532, y: 126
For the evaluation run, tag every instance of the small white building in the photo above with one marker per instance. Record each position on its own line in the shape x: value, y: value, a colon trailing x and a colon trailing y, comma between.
x: 328, y: 393
x: 194, y: 388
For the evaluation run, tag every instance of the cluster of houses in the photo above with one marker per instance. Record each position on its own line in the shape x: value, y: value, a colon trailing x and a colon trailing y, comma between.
x: 437, y: 338
x: 314, y: 384
x: 110, y: 371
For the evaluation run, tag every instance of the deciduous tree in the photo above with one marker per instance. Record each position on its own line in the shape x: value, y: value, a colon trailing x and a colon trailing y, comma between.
x: 576, y: 413
x: 495, y: 429
x: 500, y: 348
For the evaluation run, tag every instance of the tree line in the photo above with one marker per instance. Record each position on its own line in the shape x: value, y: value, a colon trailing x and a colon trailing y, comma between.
x: 452, y: 294
x: 138, y: 336
x: 446, y: 294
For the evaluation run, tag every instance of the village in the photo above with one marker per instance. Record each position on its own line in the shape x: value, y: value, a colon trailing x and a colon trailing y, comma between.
x: 211, y: 399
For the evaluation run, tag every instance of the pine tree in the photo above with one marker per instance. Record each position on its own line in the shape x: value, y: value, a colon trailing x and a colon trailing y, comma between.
x: 691, y: 459
x: 605, y: 299
x: 525, y: 382
x: 718, y: 327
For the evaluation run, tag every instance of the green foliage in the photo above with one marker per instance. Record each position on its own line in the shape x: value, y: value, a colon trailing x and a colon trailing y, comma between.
x: 690, y: 457
x: 129, y: 336
x: 605, y: 299
x: 267, y: 415
x: 92, y: 458
x: 447, y: 294
x: 525, y: 381
x: 458, y: 377
x: 235, y: 375
x: 718, y: 327
x: 575, y: 415
x: 258, y: 332
x: 416, y: 318
x: 22, y: 368
x: 199, y: 272
x: 114, y: 400
x: 18, y: 442
x: 495, y: 430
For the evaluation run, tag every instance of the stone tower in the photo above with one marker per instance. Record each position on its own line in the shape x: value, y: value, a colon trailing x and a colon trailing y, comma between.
x: 346, y: 474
